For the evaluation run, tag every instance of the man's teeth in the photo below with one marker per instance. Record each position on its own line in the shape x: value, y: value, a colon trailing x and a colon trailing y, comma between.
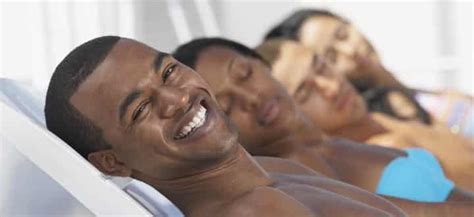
x: 197, y: 121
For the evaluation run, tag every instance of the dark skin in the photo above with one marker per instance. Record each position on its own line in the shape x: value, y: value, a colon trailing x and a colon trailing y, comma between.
x: 244, y: 88
x: 288, y: 134
x: 281, y: 165
x: 347, y: 49
x: 141, y: 100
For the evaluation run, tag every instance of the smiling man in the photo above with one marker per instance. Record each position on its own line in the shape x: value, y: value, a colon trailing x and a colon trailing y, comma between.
x: 134, y: 111
x: 271, y: 124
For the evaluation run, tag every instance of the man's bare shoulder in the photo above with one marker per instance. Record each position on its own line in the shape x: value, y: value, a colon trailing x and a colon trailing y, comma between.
x: 357, y: 163
x: 266, y: 201
x: 281, y: 165
x: 338, y: 146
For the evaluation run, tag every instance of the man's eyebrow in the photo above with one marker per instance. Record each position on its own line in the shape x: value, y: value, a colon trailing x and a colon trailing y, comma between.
x: 159, y: 60
x: 127, y: 101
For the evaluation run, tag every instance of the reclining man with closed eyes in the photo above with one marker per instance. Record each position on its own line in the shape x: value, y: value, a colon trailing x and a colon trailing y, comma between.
x: 270, y: 124
x: 351, y: 54
x: 330, y: 102
x: 134, y: 111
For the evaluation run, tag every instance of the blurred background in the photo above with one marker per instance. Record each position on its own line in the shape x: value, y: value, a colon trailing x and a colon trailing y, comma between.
x: 428, y: 44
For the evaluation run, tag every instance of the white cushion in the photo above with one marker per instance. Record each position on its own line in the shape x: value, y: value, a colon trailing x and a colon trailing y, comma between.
x: 29, y: 102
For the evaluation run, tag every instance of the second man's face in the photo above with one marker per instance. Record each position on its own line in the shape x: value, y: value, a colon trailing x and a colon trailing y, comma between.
x: 247, y: 93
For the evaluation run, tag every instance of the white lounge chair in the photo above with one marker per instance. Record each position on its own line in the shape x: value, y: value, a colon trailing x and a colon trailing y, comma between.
x: 22, y: 129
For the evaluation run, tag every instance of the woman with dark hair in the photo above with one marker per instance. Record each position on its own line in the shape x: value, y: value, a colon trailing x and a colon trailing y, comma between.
x: 352, y: 55
x: 331, y: 102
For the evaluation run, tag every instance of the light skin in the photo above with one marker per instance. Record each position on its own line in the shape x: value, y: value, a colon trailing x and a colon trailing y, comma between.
x: 360, y: 125
x: 346, y: 49
x: 350, y: 162
x: 140, y: 99
x: 353, y: 56
x: 314, y: 74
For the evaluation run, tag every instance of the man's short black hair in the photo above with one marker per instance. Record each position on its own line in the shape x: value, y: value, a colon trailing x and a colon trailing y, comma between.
x: 189, y: 53
x: 289, y: 27
x: 62, y: 118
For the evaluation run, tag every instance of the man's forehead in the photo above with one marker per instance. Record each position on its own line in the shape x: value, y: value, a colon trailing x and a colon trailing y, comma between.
x: 217, y: 53
x: 125, y: 65
x: 292, y: 48
x: 318, y: 31
x: 291, y: 67
x: 212, y: 63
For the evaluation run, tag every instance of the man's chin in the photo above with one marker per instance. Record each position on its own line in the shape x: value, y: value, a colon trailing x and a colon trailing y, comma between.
x: 222, y: 148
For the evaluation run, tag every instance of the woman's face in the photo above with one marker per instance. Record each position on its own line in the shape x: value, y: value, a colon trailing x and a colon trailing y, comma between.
x: 327, y: 98
x: 340, y: 43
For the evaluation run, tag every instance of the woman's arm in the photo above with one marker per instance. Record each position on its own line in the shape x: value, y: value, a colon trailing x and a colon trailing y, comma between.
x: 444, y: 209
x: 455, y: 153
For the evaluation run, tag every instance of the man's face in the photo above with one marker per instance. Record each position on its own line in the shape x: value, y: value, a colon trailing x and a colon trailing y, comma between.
x: 341, y: 45
x: 247, y: 93
x: 157, y: 114
x: 324, y: 96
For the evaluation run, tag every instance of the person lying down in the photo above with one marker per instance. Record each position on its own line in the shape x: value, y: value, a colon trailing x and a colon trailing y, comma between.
x: 133, y: 111
x: 331, y: 102
x: 271, y: 124
x: 351, y: 54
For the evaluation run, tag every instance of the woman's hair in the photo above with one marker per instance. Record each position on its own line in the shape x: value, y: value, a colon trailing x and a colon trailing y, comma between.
x: 378, y: 101
x: 290, y: 26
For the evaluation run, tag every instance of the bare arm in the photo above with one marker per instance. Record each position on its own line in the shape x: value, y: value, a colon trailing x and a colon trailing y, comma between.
x: 412, y: 208
x: 420, y: 209
x: 356, y: 163
x: 459, y: 195
x: 454, y: 152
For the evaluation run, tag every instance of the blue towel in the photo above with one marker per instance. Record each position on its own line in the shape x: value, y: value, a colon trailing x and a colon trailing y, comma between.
x: 418, y: 177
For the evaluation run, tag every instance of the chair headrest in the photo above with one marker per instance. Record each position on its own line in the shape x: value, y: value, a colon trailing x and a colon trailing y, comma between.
x: 24, y: 98
x: 29, y: 101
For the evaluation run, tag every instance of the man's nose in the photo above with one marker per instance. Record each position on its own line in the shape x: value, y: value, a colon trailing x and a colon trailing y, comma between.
x: 247, y: 99
x: 171, y: 100
x: 329, y: 87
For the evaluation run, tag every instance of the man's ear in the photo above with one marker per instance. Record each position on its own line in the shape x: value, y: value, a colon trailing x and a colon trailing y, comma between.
x: 108, y: 163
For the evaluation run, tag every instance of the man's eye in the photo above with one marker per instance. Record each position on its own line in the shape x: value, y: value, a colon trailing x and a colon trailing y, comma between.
x: 168, y: 72
x: 139, y: 111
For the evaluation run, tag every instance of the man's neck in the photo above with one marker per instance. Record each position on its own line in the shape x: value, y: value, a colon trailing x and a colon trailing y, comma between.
x: 224, y: 183
x: 360, y: 130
